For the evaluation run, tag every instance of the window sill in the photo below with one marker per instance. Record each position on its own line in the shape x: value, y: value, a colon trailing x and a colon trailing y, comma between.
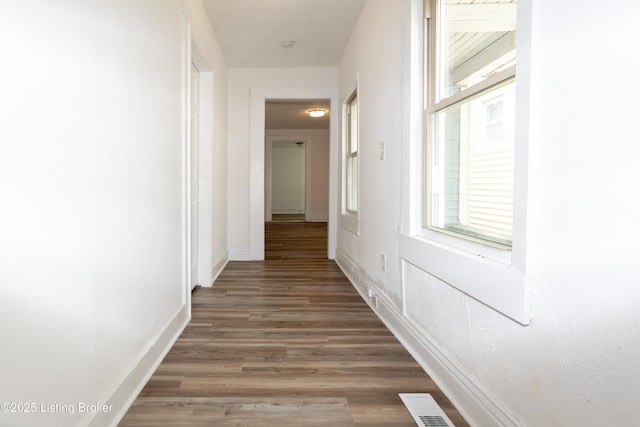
x: 493, y: 282
x: 471, y: 233
x: 350, y: 222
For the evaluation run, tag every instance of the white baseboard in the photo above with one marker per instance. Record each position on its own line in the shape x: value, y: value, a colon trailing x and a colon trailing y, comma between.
x: 240, y: 254
x: 317, y: 218
x: 218, y: 267
x: 125, y: 392
x: 475, y: 404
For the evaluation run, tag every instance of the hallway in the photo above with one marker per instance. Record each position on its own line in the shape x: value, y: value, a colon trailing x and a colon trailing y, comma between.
x: 284, y: 342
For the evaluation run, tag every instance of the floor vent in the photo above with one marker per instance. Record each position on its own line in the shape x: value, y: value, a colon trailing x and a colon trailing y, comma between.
x: 425, y: 411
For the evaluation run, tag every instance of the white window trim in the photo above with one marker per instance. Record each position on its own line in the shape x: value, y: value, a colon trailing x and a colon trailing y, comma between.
x: 493, y: 276
x: 349, y: 220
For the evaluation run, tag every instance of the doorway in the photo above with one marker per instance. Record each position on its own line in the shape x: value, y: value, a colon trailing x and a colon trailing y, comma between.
x: 202, y: 156
x: 297, y: 160
x: 288, y: 195
x: 259, y: 162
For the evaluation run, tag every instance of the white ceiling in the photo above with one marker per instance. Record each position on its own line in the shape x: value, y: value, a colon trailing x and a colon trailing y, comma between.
x: 250, y: 32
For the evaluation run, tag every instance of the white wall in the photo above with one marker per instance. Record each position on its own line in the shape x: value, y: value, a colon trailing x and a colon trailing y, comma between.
x: 374, y: 58
x: 245, y: 161
x: 207, y: 55
x: 576, y: 363
x: 317, y: 150
x: 92, y: 226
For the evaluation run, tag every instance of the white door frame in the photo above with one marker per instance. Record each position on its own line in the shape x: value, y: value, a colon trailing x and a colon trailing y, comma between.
x: 259, y: 95
x: 204, y: 64
x: 194, y: 159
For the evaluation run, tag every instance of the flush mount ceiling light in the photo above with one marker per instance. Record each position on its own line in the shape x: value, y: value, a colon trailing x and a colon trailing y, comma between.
x: 317, y: 112
x: 287, y: 44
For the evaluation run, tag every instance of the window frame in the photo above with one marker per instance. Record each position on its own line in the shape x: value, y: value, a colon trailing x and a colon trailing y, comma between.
x: 352, y: 141
x: 349, y: 218
x: 437, y: 102
x: 492, y: 275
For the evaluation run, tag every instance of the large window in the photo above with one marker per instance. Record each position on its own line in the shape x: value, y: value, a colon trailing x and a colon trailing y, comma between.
x: 469, y: 194
x: 351, y: 144
x: 470, y: 116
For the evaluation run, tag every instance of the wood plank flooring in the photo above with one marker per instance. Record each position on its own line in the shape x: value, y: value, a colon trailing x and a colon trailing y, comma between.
x: 284, y: 342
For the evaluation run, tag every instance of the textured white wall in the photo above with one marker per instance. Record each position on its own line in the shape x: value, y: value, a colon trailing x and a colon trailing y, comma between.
x: 374, y: 58
x: 91, y: 181
x: 576, y: 364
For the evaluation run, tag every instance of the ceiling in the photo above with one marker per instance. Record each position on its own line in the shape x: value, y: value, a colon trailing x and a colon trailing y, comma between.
x: 250, y: 32
x: 293, y: 114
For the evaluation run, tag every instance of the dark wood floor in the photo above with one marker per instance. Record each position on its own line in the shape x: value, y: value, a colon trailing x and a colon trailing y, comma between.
x: 284, y: 342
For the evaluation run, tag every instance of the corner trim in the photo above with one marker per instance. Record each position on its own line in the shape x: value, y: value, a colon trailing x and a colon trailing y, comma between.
x: 240, y: 254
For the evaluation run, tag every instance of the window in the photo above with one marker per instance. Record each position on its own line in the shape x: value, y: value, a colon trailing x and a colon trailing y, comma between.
x: 470, y: 119
x: 469, y: 163
x: 351, y: 145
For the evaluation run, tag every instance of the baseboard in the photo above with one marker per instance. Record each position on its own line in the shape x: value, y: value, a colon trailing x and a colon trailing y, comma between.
x: 475, y: 404
x: 287, y: 212
x: 218, y: 267
x: 317, y: 218
x: 125, y: 392
x: 240, y: 254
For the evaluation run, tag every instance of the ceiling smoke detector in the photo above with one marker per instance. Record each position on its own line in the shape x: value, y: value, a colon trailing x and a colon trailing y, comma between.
x: 287, y: 44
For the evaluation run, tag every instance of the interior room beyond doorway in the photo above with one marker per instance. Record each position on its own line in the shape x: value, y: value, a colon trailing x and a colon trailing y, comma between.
x: 297, y: 160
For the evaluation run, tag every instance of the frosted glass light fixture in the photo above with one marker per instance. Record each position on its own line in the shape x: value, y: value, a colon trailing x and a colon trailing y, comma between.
x: 316, y: 112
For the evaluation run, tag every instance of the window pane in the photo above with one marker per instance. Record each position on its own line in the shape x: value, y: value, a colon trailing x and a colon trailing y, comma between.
x: 476, y: 40
x: 352, y: 183
x: 472, y: 166
x: 353, y: 126
x: 352, y: 154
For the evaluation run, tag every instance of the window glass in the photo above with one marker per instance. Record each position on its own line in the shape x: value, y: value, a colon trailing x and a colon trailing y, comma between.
x: 470, y: 121
x: 352, y: 154
x: 475, y: 40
